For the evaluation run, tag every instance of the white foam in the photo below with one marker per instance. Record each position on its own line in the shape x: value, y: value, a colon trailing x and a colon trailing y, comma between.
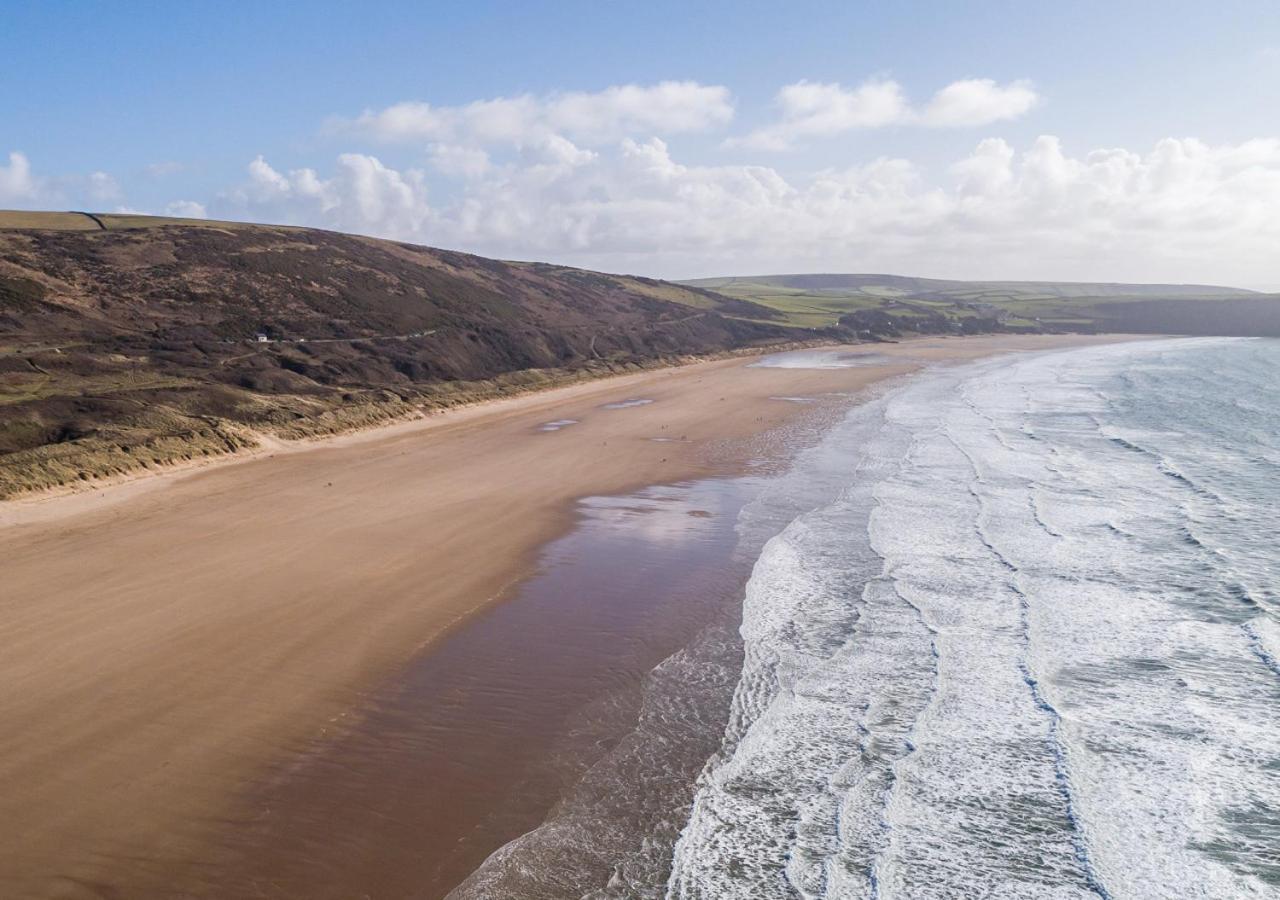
x: 1001, y: 664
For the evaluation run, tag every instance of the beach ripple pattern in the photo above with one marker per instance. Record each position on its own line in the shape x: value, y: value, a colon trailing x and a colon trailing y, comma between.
x: 1032, y: 650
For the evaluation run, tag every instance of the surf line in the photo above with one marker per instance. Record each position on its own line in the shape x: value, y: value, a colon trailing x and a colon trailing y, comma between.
x: 1062, y: 772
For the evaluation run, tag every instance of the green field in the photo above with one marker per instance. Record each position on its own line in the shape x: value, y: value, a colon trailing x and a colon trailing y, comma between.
x: 801, y: 307
x: 815, y: 301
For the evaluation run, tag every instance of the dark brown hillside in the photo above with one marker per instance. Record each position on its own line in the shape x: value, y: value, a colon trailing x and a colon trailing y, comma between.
x: 141, y: 345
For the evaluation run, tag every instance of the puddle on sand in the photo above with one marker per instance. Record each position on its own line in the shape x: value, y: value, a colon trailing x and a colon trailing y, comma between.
x: 826, y: 359
x: 627, y: 404
x: 557, y: 424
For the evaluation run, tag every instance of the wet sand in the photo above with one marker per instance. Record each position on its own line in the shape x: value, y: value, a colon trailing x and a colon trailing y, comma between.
x: 475, y: 742
x: 168, y: 651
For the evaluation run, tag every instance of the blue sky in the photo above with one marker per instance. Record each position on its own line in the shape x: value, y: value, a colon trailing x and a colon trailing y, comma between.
x: 171, y: 105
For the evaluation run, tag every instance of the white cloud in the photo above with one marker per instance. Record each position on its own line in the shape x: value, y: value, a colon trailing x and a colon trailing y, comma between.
x: 806, y: 110
x: 811, y: 109
x: 102, y: 187
x: 17, y: 182
x: 22, y: 187
x: 186, y: 209
x: 1182, y: 211
x: 456, y: 160
x: 265, y: 183
x: 669, y: 107
x: 978, y: 101
x: 362, y: 196
x: 987, y: 170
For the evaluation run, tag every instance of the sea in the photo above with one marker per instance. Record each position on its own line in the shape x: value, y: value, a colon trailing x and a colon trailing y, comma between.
x: 1011, y: 629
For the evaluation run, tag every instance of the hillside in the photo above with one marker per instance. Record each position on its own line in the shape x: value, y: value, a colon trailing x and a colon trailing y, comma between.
x: 893, y: 304
x: 131, y: 341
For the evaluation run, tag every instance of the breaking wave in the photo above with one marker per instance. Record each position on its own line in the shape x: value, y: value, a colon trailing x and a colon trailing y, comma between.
x: 1028, y: 650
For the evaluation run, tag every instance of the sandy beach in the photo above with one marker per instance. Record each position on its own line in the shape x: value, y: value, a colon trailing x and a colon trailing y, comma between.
x: 168, y: 640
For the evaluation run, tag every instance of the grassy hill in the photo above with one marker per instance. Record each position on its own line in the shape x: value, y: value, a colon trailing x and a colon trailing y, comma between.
x: 889, y: 303
x: 131, y: 341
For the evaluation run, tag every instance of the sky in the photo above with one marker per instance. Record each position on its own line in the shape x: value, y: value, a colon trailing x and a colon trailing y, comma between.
x: 1119, y: 141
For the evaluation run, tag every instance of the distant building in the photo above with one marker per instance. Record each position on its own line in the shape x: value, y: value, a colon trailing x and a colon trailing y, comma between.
x: 262, y: 338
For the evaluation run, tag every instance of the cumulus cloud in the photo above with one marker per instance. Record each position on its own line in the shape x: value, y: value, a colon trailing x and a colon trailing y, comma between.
x: 22, y: 187
x: 806, y: 110
x: 987, y: 170
x: 669, y: 107
x: 457, y: 160
x: 813, y: 109
x: 362, y: 195
x: 17, y: 182
x: 978, y: 101
x: 1183, y: 210
x: 186, y: 209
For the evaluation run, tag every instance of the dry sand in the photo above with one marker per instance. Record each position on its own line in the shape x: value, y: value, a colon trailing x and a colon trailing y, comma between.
x: 162, y: 646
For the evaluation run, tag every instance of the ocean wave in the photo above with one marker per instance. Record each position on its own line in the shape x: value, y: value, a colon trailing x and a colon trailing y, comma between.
x: 1025, y: 654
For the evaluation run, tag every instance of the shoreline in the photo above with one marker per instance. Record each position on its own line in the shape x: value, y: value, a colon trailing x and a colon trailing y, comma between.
x: 487, y: 738
x: 283, y: 602
x: 52, y: 503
